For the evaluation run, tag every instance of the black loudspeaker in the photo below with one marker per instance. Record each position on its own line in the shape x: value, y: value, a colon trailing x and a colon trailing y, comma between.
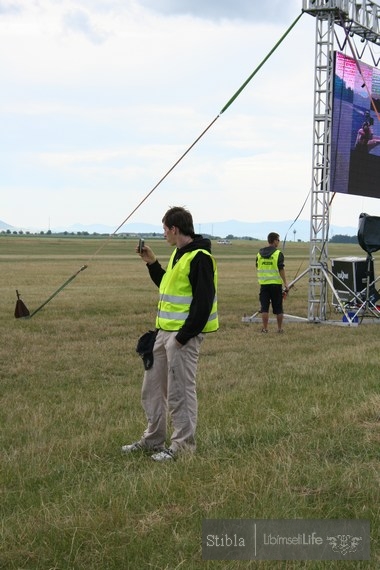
x: 369, y: 233
x: 352, y: 272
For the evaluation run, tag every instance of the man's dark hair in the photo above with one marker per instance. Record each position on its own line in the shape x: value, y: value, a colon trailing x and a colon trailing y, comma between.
x: 272, y: 237
x: 181, y: 219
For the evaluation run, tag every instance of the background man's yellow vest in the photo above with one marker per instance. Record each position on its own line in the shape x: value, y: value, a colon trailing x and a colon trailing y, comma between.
x: 267, y: 269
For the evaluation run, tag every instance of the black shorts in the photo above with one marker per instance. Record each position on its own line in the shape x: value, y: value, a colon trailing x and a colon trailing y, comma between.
x: 271, y: 294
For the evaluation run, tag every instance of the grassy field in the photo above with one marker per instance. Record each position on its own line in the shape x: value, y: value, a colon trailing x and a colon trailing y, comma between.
x: 288, y: 424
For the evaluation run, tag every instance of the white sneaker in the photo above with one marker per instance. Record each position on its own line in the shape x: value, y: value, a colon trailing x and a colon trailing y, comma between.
x: 137, y: 446
x: 132, y: 447
x: 164, y: 455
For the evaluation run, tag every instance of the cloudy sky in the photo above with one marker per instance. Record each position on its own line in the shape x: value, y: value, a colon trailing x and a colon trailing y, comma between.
x: 99, y: 98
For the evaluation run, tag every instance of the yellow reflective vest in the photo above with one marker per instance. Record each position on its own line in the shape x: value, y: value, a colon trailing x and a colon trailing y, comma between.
x: 175, y: 295
x: 267, y: 269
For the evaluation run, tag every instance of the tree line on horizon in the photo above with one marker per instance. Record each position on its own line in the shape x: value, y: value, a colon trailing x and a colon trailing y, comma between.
x: 338, y: 238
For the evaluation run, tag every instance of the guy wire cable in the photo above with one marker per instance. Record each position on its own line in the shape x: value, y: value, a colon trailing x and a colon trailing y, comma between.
x: 226, y: 106
x: 359, y: 69
x: 295, y: 219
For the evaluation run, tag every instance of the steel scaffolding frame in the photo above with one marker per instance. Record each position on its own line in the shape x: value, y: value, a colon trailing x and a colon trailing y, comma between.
x: 356, y: 19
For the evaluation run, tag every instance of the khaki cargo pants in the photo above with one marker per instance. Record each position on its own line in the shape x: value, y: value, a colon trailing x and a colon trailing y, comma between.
x: 169, y: 389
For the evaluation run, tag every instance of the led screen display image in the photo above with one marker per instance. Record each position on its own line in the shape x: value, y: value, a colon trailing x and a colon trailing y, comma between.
x: 355, y: 141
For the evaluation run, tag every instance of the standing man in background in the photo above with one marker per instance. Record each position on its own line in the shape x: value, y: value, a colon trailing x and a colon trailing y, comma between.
x: 187, y: 308
x: 271, y: 276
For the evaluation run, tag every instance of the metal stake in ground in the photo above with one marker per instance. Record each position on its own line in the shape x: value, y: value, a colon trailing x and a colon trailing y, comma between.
x: 22, y: 311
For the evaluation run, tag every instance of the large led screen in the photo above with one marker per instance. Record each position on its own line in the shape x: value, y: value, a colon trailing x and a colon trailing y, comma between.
x: 355, y: 142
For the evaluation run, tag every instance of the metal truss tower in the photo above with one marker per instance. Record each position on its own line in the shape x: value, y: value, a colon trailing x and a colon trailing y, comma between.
x: 360, y: 18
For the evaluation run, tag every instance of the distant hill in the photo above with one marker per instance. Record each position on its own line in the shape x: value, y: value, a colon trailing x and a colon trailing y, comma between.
x: 4, y: 226
x: 257, y: 230
x: 260, y: 230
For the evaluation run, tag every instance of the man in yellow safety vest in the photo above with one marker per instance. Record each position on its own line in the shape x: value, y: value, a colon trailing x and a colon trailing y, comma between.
x: 271, y: 276
x: 187, y: 308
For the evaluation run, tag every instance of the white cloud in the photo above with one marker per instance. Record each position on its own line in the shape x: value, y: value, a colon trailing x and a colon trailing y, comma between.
x: 276, y: 10
x: 79, y: 21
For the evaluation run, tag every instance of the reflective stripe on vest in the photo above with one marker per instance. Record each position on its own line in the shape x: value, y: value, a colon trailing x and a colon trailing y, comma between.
x: 267, y: 269
x: 175, y: 295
